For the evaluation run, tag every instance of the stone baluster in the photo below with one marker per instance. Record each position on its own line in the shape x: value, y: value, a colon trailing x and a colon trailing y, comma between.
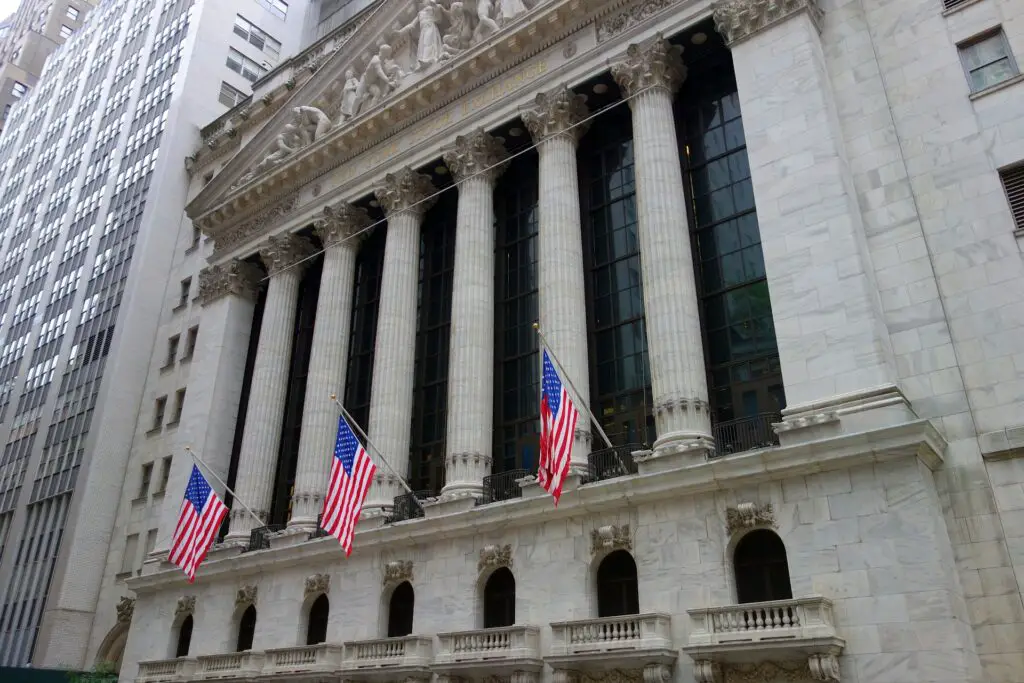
x: 261, y: 436
x: 403, y: 197
x: 476, y: 161
x: 651, y: 76
x: 556, y: 125
x: 338, y: 229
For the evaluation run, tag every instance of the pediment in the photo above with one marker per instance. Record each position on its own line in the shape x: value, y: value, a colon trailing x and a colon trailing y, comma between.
x: 398, y: 47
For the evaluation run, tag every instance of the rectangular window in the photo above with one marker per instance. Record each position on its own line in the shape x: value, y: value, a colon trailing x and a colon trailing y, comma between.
x: 257, y: 37
x: 72, y: 13
x: 131, y: 549
x: 278, y: 8
x: 158, y: 412
x: 197, y: 235
x: 165, y: 475
x: 190, y: 342
x: 172, y: 350
x: 19, y: 89
x: 987, y: 60
x: 186, y: 287
x: 179, y: 404
x: 147, y: 475
x: 65, y: 31
x: 244, y: 66
x: 1013, y: 184
x: 229, y: 95
x: 150, y: 542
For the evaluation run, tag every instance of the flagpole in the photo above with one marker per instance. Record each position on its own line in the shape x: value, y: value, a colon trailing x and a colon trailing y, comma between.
x: 579, y: 398
x: 380, y: 455
x: 234, y: 496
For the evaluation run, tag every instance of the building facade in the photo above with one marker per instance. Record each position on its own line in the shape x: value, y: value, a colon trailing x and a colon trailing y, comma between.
x: 33, y: 32
x: 92, y: 188
x: 773, y: 245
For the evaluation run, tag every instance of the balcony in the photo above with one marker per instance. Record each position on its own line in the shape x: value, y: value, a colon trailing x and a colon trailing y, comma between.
x: 231, y: 665
x: 388, y: 659
x: 502, y: 486
x: 259, y: 538
x: 798, y: 629
x: 628, y: 643
x: 305, y: 659
x: 493, y: 651
x: 611, y: 463
x: 407, y: 506
x: 746, y: 434
x: 166, y: 670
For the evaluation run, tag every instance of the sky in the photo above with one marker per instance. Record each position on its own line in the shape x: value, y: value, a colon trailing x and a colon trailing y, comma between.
x: 7, y: 7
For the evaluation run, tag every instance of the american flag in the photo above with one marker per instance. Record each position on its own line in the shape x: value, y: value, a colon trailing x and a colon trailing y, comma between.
x: 200, y: 517
x: 351, y: 474
x: 558, y: 417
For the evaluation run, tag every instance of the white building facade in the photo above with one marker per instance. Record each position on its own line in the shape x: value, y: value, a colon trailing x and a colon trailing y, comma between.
x: 773, y: 244
x: 92, y: 185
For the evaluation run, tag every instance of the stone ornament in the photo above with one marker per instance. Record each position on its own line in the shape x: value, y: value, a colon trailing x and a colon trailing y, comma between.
x: 281, y: 252
x: 706, y: 671
x: 406, y: 190
x: 609, y: 538
x: 244, y: 231
x: 768, y: 672
x: 340, y: 223
x: 738, y: 20
x: 494, y: 557
x: 317, y: 584
x: 476, y: 154
x: 246, y: 595
x: 609, y: 27
x: 186, y: 605
x: 560, y: 112
x: 658, y: 673
x: 659, y: 65
x: 749, y: 515
x: 125, y: 609
x: 305, y: 126
x: 239, y: 278
x: 824, y: 667
x: 397, y: 571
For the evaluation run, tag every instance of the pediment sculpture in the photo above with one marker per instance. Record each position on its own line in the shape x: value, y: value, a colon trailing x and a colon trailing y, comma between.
x: 306, y: 126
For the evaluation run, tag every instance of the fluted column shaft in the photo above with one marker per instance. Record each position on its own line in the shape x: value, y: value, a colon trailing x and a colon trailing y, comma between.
x: 261, y: 436
x: 327, y: 361
x: 555, y: 124
x: 475, y: 162
x: 679, y: 383
x: 391, y: 401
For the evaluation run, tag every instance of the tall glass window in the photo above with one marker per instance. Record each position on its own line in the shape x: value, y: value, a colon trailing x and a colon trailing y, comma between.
x: 620, y: 383
x: 430, y: 390
x: 363, y: 336
x: 517, y: 413
x: 744, y: 375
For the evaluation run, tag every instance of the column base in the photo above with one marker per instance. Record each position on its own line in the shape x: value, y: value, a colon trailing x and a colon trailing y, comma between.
x: 851, y: 413
x: 448, y: 506
x: 461, y: 489
x: 531, y: 489
x: 302, y: 524
x: 673, y: 452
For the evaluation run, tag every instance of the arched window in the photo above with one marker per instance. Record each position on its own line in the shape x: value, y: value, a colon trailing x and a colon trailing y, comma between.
x: 400, y: 610
x: 184, y: 637
x: 500, y: 599
x: 316, y: 630
x: 762, y: 572
x: 246, y: 629
x: 617, y: 591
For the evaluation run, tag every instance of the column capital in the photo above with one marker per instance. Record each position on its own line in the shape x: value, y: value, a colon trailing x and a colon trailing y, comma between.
x: 340, y: 222
x: 236, y: 277
x: 658, y: 65
x: 738, y: 20
x: 478, y: 152
x: 280, y: 252
x: 405, y: 190
x: 557, y: 113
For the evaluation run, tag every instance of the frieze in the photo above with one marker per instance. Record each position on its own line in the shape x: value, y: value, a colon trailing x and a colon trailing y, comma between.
x: 243, y: 232
x: 494, y: 557
x: 749, y: 515
x: 186, y: 605
x: 738, y: 20
x: 397, y: 571
x: 609, y: 538
x: 767, y: 672
x: 317, y: 584
x: 246, y: 595
x: 609, y: 27
x: 125, y: 609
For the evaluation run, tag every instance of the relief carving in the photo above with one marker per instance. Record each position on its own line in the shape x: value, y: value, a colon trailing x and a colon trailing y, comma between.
x: 630, y: 17
x: 397, y: 571
x: 824, y: 667
x: 306, y: 126
x: 767, y: 672
x: 242, y: 232
x: 494, y: 556
x: 748, y: 516
x: 609, y: 538
x: 318, y: 583
x: 246, y: 595
x: 186, y: 605
x: 658, y: 673
x: 738, y: 20
x: 234, y: 277
x: 125, y: 609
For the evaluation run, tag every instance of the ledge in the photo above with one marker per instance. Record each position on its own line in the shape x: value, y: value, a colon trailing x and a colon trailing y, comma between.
x: 916, y: 439
x: 1005, y: 444
x: 960, y: 7
x: 997, y: 87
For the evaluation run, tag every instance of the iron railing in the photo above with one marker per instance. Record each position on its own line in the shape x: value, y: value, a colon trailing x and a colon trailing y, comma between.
x: 608, y: 463
x: 502, y: 486
x: 407, y: 507
x: 746, y: 434
x: 259, y: 538
x: 319, y: 532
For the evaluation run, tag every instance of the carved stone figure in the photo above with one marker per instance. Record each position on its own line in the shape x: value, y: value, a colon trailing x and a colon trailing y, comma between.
x: 460, y: 30
x: 397, y: 572
x: 610, y: 537
x: 186, y: 605
x: 749, y: 515
x: 511, y: 10
x: 125, y: 609
x: 494, y: 556
x: 348, y: 95
x: 486, y: 25
x: 312, y: 124
x: 246, y: 595
x: 427, y: 22
x: 318, y: 583
x: 379, y: 80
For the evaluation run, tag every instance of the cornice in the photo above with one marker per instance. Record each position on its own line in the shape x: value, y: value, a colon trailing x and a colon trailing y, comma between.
x: 917, y: 439
x: 738, y: 20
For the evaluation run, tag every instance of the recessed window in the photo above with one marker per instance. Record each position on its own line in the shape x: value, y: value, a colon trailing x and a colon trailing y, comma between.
x: 244, y: 66
x: 186, y: 287
x: 279, y: 8
x: 184, y: 637
x: 65, y: 31
x: 1013, y: 184
x: 190, y: 342
x: 762, y: 571
x: 179, y: 404
x: 158, y: 412
x: 172, y: 350
x: 230, y: 95
x: 987, y: 60
x: 246, y: 629
x: 19, y: 89
x: 165, y: 475
x: 71, y: 13
x: 400, y: 610
x: 617, y: 587
x: 197, y: 234
x: 147, y: 475
x: 131, y: 549
x: 255, y: 36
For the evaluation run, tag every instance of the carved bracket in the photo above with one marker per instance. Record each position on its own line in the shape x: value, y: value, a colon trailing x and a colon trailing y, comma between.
x: 494, y: 556
x: 609, y: 538
x: 706, y: 671
x: 824, y: 667
x: 318, y: 583
x: 748, y: 516
x: 186, y: 605
x: 397, y: 571
x: 125, y: 609
x: 246, y: 595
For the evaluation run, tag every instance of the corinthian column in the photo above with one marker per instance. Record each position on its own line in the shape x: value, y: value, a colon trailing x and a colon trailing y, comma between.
x: 555, y: 125
x: 476, y: 162
x: 402, y: 197
x: 261, y: 437
x: 651, y: 77
x: 327, y: 359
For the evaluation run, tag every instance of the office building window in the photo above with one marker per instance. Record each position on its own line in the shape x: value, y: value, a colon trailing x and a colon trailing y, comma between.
x: 230, y: 96
x: 241, y: 64
x: 147, y: 475
x: 165, y: 475
x: 257, y: 37
x: 186, y: 287
x: 65, y: 31
x: 71, y: 13
x: 159, y: 407
x: 172, y: 350
x: 987, y: 60
x: 131, y: 549
x: 179, y: 404
x: 19, y: 89
x: 190, y: 342
x: 278, y: 8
